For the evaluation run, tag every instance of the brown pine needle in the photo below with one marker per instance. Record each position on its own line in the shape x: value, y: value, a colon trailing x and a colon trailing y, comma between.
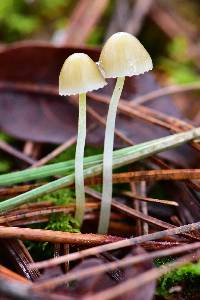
x: 142, y: 279
x: 45, y: 211
x: 133, y: 212
x: 150, y: 175
x: 41, y: 235
x: 8, y: 274
x: 147, y: 199
x: 126, y: 177
x: 119, y: 244
x: 168, y: 90
x: 130, y: 260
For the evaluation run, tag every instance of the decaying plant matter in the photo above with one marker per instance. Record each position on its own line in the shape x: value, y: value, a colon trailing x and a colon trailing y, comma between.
x: 115, y: 216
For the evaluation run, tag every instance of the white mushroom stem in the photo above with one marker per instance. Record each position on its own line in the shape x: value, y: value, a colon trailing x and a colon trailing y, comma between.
x: 108, y: 158
x: 79, y: 177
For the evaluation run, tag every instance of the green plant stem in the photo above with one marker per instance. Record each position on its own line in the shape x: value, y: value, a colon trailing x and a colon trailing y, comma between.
x: 108, y: 157
x: 80, y: 146
x: 122, y: 157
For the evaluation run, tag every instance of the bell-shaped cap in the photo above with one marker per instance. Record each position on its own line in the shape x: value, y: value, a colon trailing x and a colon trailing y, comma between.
x: 124, y: 55
x: 79, y: 74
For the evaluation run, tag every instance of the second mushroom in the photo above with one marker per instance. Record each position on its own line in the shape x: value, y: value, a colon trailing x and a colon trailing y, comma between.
x: 122, y: 55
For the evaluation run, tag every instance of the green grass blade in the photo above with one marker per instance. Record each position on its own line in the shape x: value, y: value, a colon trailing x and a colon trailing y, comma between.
x: 62, y: 168
x: 123, y: 157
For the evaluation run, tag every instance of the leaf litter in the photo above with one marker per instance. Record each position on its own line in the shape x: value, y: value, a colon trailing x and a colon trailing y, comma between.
x: 27, y: 69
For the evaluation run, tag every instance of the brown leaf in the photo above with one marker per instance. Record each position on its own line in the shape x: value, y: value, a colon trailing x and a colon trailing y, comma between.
x: 97, y: 283
x: 33, y: 116
x: 48, y: 118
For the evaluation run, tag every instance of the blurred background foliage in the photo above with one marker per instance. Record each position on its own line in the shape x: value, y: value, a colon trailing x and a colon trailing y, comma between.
x: 42, y: 19
x: 177, y: 65
x: 21, y: 19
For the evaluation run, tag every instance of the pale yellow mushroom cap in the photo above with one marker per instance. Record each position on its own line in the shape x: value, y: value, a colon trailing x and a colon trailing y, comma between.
x: 79, y: 74
x: 124, y: 55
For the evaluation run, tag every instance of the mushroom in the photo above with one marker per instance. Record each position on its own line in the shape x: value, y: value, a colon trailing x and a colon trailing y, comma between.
x: 122, y: 55
x: 79, y: 75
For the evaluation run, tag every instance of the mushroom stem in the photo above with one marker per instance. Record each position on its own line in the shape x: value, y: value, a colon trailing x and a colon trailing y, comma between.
x: 79, y: 177
x: 108, y: 157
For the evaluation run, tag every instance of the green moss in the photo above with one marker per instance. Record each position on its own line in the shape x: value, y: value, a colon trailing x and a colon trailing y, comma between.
x: 60, y: 197
x: 180, y: 72
x: 63, y: 222
x: 16, y: 20
x: 21, y: 18
x: 188, y: 274
x: 160, y: 261
x: 57, y: 221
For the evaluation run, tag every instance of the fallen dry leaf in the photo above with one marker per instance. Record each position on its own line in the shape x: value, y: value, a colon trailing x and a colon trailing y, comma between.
x: 53, y: 119
x: 96, y: 283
